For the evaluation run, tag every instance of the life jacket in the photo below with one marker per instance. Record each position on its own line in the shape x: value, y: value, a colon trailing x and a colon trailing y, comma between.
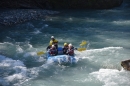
x: 54, y: 42
x: 65, y: 48
x: 70, y: 51
x: 53, y: 51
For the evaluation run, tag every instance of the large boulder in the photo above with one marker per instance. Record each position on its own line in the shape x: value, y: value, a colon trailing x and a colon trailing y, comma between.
x: 126, y: 64
x: 61, y: 4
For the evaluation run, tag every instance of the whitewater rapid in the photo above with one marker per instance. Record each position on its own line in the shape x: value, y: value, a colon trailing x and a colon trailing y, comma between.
x: 107, y: 33
x: 102, y: 66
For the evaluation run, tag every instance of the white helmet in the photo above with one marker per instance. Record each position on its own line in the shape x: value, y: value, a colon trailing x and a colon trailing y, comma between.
x: 70, y: 45
x: 52, y: 37
x: 53, y: 46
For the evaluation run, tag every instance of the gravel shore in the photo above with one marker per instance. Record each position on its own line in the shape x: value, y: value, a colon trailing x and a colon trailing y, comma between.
x: 10, y: 17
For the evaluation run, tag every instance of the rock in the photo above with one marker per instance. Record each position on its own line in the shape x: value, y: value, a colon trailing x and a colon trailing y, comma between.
x: 126, y: 64
x: 61, y: 4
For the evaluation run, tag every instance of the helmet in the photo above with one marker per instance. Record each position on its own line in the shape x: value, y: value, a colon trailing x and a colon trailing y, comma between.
x: 53, y: 46
x: 65, y: 44
x: 70, y: 45
x: 52, y: 37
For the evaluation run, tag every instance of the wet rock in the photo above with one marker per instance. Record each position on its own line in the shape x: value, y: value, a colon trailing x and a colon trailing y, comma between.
x: 126, y: 64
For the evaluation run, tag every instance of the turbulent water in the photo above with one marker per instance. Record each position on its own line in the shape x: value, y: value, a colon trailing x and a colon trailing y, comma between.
x: 107, y: 33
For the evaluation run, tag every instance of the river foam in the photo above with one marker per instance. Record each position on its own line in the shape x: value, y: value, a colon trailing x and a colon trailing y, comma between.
x: 12, y: 71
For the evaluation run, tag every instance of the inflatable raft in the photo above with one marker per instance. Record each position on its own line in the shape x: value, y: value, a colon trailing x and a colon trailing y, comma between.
x: 126, y: 64
x: 61, y: 58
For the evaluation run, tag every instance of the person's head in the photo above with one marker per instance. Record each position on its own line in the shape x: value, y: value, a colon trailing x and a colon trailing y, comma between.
x: 70, y: 45
x: 53, y: 46
x: 65, y: 44
x: 52, y: 37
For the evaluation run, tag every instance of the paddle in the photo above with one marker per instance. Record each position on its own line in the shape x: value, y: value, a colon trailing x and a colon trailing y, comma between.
x: 82, y: 46
x: 40, y: 53
x: 83, y: 43
x: 81, y: 49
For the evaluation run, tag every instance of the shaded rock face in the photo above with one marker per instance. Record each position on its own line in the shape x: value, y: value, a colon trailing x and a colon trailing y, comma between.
x: 61, y: 4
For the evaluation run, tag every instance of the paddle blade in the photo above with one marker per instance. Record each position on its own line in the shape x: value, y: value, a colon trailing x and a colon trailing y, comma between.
x: 81, y: 49
x: 40, y: 53
x: 83, y: 43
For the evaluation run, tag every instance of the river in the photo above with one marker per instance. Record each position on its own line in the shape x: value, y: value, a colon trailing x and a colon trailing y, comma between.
x: 107, y: 33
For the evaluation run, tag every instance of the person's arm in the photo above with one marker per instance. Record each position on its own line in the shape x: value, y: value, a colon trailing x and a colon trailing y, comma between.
x: 48, y: 48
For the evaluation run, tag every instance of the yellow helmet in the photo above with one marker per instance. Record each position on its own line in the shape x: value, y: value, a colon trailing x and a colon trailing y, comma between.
x: 65, y: 44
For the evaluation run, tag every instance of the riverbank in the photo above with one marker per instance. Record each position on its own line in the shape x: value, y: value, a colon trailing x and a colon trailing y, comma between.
x: 16, y: 16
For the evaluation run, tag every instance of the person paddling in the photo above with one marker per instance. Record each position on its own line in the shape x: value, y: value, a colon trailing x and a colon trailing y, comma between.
x: 53, y: 51
x: 70, y: 50
x: 54, y: 42
x: 65, y: 48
